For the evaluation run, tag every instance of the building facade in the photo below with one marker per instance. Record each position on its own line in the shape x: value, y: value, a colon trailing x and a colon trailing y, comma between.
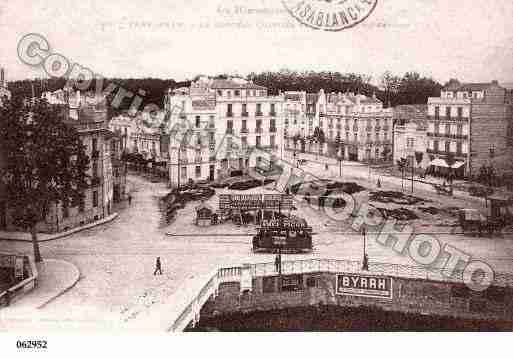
x: 354, y: 126
x: 221, y: 126
x: 472, y: 123
x: 410, y: 135
x: 107, y: 179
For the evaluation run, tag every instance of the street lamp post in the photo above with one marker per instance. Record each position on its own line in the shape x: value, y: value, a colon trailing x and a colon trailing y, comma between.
x: 365, y: 262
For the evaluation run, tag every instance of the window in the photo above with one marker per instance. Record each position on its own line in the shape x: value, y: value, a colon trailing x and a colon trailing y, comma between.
x: 273, y: 109
x: 459, y: 148
x: 95, y: 199
x: 198, y: 121
x: 244, y: 141
x: 447, y: 146
x: 448, y: 112
x: 244, y: 109
x: 237, y: 93
x: 258, y: 141
x: 198, y: 171
x: 437, y: 113
x: 229, y: 110
x: 259, y: 109
x: 183, y: 172
x: 436, y: 146
x: 220, y: 93
x: 95, y: 169
x: 460, y: 130
x: 228, y: 93
x: 95, y: 144
x: 244, y: 126
x: 65, y: 209
x: 272, y: 141
x: 81, y: 203
x: 229, y: 126
x: 437, y: 127
x: 447, y: 129
x: 460, y: 112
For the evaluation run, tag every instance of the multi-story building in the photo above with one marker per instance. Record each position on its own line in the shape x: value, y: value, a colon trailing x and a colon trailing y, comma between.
x: 88, y: 116
x: 353, y: 124
x: 4, y: 92
x: 220, y: 126
x: 472, y: 123
x: 294, y: 113
x: 140, y: 134
x: 410, y: 135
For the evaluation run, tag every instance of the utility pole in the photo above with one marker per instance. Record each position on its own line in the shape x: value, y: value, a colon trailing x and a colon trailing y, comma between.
x: 365, y: 262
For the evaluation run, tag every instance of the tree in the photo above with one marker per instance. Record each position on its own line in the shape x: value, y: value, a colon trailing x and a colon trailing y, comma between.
x: 45, y: 162
x: 390, y: 84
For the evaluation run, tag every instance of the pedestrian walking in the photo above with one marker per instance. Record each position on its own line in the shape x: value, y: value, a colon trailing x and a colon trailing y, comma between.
x: 277, y: 263
x: 158, y: 267
x: 129, y: 199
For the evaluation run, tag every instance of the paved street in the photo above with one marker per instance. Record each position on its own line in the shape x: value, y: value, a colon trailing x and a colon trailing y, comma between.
x: 116, y: 260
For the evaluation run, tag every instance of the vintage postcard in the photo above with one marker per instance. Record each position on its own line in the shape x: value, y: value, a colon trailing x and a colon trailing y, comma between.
x: 255, y: 166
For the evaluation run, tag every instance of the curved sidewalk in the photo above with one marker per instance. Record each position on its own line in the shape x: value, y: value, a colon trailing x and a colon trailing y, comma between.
x: 55, y: 277
x: 44, y: 237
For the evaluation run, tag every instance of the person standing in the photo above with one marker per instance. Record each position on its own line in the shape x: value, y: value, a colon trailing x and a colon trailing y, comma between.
x: 158, y: 267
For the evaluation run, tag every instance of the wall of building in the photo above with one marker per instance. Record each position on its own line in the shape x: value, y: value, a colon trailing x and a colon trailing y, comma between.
x: 491, y: 125
x: 409, y: 295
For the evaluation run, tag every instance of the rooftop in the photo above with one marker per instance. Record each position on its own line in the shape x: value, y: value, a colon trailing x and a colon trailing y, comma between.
x: 455, y: 85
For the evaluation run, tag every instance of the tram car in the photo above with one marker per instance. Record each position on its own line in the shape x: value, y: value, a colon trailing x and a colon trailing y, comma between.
x: 289, y: 235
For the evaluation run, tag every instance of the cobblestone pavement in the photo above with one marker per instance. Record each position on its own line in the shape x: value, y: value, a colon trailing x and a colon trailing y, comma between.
x: 116, y: 261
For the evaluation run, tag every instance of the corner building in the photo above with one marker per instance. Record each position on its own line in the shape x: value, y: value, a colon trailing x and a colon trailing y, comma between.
x: 221, y: 126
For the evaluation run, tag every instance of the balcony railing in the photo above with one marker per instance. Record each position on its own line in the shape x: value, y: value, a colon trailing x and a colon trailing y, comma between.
x: 259, y: 114
x: 229, y: 114
x: 259, y: 130
x: 229, y: 131
x: 447, y: 119
x: 445, y: 135
x: 272, y: 129
x: 182, y: 116
x: 244, y: 130
x: 244, y: 114
x: 272, y: 113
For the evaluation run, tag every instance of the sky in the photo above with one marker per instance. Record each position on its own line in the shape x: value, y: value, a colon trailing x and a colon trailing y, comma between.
x: 470, y: 40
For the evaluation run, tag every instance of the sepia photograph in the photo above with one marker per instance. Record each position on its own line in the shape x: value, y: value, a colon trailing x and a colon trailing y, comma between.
x: 255, y: 166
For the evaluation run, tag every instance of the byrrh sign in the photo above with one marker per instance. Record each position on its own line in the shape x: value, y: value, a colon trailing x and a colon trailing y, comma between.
x: 364, y: 285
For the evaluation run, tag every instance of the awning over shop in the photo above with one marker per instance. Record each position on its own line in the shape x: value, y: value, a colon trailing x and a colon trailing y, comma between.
x: 438, y: 162
x: 458, y: 164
